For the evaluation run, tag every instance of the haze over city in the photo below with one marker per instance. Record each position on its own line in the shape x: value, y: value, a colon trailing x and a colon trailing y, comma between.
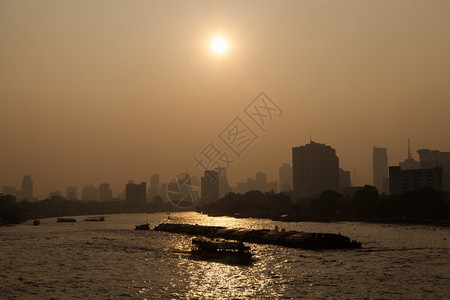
x: 94, y: 91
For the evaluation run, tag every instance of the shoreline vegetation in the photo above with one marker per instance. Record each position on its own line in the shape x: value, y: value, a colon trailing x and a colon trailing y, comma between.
x: 422, y: 207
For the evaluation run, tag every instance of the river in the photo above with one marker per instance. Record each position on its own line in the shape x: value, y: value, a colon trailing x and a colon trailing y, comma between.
x: 110, y: 260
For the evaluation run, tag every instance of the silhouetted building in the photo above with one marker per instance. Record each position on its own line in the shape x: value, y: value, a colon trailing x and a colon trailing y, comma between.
x: 344, y: 178
x: 315, y: 169
x: 380, y: 168
x: 8, y: 190
x: 71, y: 193
x: 136, y: 194
x: 409, y: 163
x: 55, y: 194
x: 436, y: 158
x: 27, y: 188
x: 210, y: 186
x: 224, y: 187
x: 401, y: 181
x: 259, y: 183
x: 154, y: 187
x: 285, y: 178
x: 163, y: 192
x: 105, y: 192
x: 90, y: 193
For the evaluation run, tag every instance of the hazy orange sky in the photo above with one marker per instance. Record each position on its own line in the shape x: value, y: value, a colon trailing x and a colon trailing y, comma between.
x: 107, y: 91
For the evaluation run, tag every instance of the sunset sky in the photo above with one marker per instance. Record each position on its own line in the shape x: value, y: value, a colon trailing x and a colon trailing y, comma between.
x: 106, y: 91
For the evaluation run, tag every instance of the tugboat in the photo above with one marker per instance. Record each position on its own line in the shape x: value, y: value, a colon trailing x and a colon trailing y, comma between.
x: 229, y: 251
x: 95, y: 219
x: 142, y: 227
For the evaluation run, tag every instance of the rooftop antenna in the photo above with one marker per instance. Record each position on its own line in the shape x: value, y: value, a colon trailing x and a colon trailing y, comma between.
x: 409, y: 150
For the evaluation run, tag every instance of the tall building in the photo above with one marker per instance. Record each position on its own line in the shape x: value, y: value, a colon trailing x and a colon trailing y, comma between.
x: 90, y: 193
x: 210, y: 186
x: 224, y: 187
x: 344, y: 178
x: 380, y: 168
x: 72, y: 193
x: 285, y: 178
x: 136, y: 194
x: 436, y: 158
x: 315, y: 169
x: 154, y: 187
x: 27, y: 188
x: 401, y: 181
x: 105, y: 192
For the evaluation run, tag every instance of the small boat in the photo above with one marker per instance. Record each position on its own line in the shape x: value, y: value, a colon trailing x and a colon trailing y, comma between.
x: 36, y: 222
x: 143, y: 227
x: 229, y: 251
x: 65, y: 220
x: 95, y: 219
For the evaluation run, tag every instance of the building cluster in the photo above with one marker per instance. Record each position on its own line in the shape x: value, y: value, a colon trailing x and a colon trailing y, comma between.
x: 315, y: 168
x: 26, y: 193
x: 432, y: 170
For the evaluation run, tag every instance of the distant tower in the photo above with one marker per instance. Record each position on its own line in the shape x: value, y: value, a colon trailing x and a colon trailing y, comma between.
x: 380, y: 168
x: 210, y: 186
x: 136, y: 194
x: 105, y: 192
x: 315, y: 168
x: 285, y: 178
x: 71, y: 193
x: 224, y: 187
x: 27, y: 188
x: 154, y: 187
x: 409, y: 163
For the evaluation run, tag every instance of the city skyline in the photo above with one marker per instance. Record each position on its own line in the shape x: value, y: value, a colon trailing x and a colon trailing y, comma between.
x: 155, y: 185
x: 110, y: 97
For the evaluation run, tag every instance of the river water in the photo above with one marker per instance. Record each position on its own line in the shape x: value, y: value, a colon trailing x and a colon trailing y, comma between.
x: 110, y: 260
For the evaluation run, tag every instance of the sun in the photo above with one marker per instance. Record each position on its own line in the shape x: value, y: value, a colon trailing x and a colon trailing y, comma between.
x: 219, y: 45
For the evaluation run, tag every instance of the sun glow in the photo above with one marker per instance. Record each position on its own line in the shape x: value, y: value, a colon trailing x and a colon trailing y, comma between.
x: 219, y: 45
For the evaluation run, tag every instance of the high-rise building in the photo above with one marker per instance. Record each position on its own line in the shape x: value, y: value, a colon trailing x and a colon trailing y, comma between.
x: 315, y: 168
x: 344, y: 178
x: 380, y: 168
x: 72, y: 193
x: 154, y: 187
x: 436, y: 158
x: 27, y: 188
x: 285, y: 178
x: 136, y: 194
x: 105, y: 192
x: 210, y: 186
x: 401, y: 181
x: 90, y: 193
x: 224, y: 187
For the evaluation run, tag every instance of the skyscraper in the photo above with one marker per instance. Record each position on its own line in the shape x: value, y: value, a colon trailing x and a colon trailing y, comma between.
x: 154, y: 187
x: 71, y: 193
x: 285, y: 178
x: 380, y: 168
x: 135, y: 194
x: 210, y: 186
x: 436, y: 158
x: 27, y: 188
x: 315, y: 169
x: 105, y: 192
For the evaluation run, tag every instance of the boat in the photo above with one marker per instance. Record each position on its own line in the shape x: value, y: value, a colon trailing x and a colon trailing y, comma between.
x: 65, y: 220
x: 229, y: 251
x: 95, y: 219
x: 36, y: 222
x: 142, y: 227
